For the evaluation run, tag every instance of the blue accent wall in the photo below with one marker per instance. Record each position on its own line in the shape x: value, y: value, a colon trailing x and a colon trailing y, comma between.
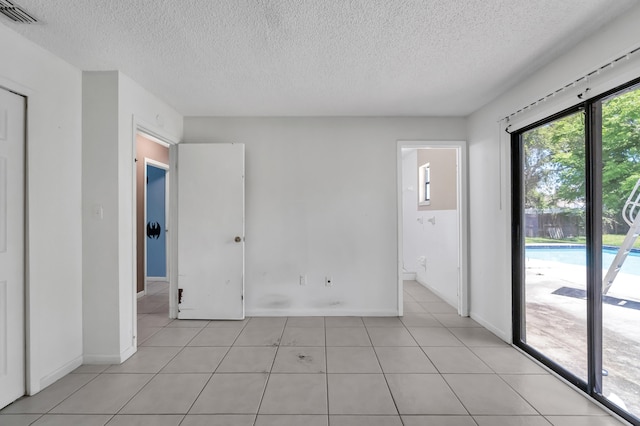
x: 156, y: 222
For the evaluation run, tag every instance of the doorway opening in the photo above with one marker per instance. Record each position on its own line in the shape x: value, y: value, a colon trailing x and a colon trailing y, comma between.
x: 432, y: 220
x: 155, y: 224
x: 152, y: 179
x: 151, y: 288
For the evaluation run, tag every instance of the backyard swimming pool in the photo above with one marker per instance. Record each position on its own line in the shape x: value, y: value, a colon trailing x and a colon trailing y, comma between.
x: 576, y: 255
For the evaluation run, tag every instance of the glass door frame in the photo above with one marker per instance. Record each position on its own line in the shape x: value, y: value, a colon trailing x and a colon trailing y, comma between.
x: 592, y: 110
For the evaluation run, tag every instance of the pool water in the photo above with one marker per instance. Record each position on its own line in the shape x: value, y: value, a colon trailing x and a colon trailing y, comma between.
x: 576, y: 255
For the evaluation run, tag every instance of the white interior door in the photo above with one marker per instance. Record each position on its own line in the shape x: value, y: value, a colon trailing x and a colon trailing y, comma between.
x: 12, y: 343
x: 210, y: 231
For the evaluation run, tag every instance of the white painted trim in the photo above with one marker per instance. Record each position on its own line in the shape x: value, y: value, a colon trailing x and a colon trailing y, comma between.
x: 127, y: 353
x: 60, y: 372
x: 156, y: 140
x: 437, y: 292
x: 142, y: 293
x: 154, y: 132
x: 173, y: 227
x: 409, y: 276
x: 399, y: 230
x: 101, y: 359
x: 155, y: 163
x: 140, y: 126
x: 15, y: 87
x: 312, y: 312
x: 463, y: 216
x: 32, y: 383
x: 502, y: 334
x: 110, y: 359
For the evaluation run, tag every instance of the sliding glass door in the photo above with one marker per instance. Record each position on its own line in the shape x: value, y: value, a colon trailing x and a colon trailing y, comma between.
x: 621, y: 254
x: 576, y: 268
x: 555, y: 309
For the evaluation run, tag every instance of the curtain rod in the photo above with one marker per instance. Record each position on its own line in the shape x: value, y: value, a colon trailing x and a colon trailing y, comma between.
x: 580, y: 95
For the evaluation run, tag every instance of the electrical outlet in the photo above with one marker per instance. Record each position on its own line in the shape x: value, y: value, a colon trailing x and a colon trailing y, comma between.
x: 328, y: 281
x: 303, y: 279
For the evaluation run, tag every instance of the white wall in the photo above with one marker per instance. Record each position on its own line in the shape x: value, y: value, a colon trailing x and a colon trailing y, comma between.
x: 411, y: 228
x: 135, y: 106
x: 100, y: 191
x: 437, y: 243
x: 321, y: 199
x: 489, y: 153
x: 54, y: 299
x: 113, y: 105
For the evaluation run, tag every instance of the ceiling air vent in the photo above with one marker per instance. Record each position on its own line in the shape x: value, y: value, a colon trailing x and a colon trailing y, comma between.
x: 16, y: 13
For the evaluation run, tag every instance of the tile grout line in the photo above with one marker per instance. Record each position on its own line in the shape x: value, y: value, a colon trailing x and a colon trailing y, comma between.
x: 447, y: 383
x: 73, y: 393
x: 521, y: 396
x: 326, y: 370
x: 154, y: 375
x: 438, y: 370
x: 395, y: 404
x: 212, y: 374
x: 264, y: 390
x: 183, y: 347
x: 186, y: 345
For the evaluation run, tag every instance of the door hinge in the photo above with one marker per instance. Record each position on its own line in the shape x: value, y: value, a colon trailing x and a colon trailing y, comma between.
x: 180, y: 296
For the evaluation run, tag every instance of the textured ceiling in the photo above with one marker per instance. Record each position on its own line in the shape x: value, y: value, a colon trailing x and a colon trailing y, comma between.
x: 317, y: 57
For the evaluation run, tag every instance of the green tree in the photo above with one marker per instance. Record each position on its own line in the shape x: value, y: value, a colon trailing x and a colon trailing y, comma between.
x: 555, y: 158
x: 620, y: 152
x: 554, y: 163
x: 537, y: 150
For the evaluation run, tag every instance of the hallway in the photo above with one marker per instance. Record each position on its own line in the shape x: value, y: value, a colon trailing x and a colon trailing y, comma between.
x: 430, y: 367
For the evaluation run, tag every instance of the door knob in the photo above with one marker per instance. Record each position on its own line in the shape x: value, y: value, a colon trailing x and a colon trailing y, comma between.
x: 237, y: 239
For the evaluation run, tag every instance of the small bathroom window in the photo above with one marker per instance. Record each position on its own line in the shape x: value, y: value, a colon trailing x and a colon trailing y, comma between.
x: 424, y: 183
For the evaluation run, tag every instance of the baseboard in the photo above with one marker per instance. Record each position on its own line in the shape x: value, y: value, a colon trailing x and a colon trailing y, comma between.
x: 453, y: 303
x: 101, y: 359
x: 408, y: 276
x: 53, y: 377
x: 504, y: 335
x: 141, y: 294
x: 109, y: 359
x: 162, y: 279
x: 319, y: 313
x: 127, y: 353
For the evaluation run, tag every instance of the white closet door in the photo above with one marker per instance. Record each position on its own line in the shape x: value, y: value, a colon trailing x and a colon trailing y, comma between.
x: 12, y: 189
x: 210, y: 231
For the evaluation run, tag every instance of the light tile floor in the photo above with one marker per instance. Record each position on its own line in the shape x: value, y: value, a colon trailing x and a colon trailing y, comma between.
x: 430, y: 367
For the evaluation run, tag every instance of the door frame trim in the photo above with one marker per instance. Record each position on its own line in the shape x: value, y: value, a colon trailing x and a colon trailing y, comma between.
x: 29, y: 341
x: 156, y: 133
x: 463, y: 217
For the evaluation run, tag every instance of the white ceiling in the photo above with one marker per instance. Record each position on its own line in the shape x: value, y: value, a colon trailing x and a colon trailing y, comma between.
x: 317, y: 57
